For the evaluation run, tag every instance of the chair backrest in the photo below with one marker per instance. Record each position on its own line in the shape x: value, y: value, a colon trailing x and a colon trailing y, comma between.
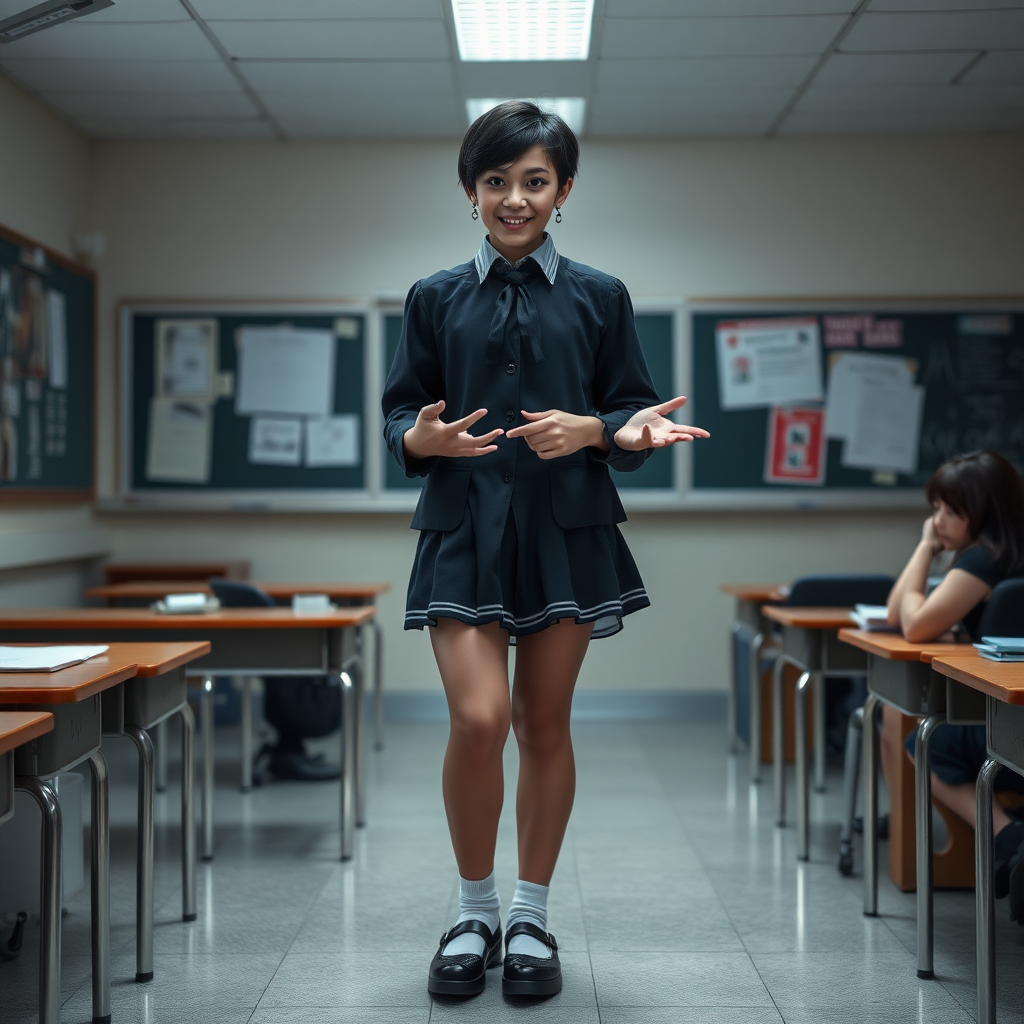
x: 1004, y: 611
x: 839, y: 590
x: 236, y: 594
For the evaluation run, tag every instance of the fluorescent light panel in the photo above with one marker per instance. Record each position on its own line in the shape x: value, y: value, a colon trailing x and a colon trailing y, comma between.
x: 44, y: 15
x: 569, y: 108
x: 492, y: 30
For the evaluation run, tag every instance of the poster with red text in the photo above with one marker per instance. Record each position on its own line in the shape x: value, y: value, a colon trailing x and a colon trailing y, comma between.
x: 796, y: 447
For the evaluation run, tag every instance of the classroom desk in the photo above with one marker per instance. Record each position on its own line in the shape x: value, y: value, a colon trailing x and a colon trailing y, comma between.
x: 900, y: 675
x: 72, y: 696
x: 811, y: 644
x: 245, y: 641
x: 1003, y: 690
x: 750, y: 624
x: 140, y: 593
x: 16, y: 728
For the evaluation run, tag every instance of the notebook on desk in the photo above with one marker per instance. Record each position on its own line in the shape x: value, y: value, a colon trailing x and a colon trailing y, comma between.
x: 874, y: 618
x: 47, y: 659
x: 1001, y: 648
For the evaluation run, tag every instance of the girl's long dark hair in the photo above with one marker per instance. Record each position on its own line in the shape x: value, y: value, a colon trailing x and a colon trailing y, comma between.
x: 988, y: 492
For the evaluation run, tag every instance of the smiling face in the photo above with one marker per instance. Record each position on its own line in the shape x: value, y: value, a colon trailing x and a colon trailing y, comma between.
x: 952, y: 529
x: 516, y: 202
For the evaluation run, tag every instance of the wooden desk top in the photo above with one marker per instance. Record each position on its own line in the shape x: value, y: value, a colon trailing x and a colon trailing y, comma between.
x: 144, y: 618
x: 64, y: 687
x: 808, y: 618
x: 758, y: 592
x: 18, y: 727
x: 154, y: 659
x: 153, y: 590
x: 895, y: 648
x: 1004, y: 682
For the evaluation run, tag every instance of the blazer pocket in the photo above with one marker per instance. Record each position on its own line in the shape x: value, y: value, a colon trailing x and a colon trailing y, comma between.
x: 584, y: 496
x: 442, y: 502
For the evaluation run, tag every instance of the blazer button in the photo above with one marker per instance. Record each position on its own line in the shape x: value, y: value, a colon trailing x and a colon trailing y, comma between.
x: 510, y: 416
x: 510, y: 369
x: 507, y: 477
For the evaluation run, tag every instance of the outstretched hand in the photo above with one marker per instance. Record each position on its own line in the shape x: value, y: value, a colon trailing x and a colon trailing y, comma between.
x: 650, y: 428
x: 429, y: 437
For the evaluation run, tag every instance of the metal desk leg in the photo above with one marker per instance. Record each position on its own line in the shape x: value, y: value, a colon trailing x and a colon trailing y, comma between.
x: 819, y: 733
x: 754, y: 746
x: 50, y: 896
x: 246, y: 734
x: 851, y: 772
x: 160, y: 746
x: 206, y: 722
x: 100, y: 889
x: 359, y: 678
x: 984, y: 899
x: 778, y: 759
x: 188, y: 814
x: 378, y: 684
x: 144, y: 855
x: 732, y: 731
x: 803, y: 810
x: 923, y: 814
x: 348, y: 764
x: 870, y: 786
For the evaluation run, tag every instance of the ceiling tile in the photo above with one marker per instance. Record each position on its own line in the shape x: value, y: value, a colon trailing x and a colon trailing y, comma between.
x: 83, y: 105
x: 718, y: 37
x: 1005, y: 66
x: 388, y: 109
x: 150, y: 128
x: 522, y: 78
x: 725, y: 72
x: 291, y: 10
x: 356, y: 126
x: 940, y: 5
x: 82, y: 40
x: 142, y: 10
x: 724, y: 8
x: 707, y: 125
x: 913, y: 97
x: 898, y: 122
x: 892, y: 68
x: 960, y: 30
x: 123, y: 75
x: 348, y: 76
x: 697, y: 102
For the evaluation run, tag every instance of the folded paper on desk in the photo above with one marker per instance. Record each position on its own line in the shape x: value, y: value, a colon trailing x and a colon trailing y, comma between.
x: 46, y: 659
x: 1001, y: 648
x: 186, y: 604
x: 873, y: 617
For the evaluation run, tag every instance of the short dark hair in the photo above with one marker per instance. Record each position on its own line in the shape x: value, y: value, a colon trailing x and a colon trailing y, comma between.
x: 988, y: 492
x: 505, y: 132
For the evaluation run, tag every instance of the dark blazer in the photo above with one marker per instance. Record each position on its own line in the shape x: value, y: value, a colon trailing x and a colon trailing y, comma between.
x: 590, y: 363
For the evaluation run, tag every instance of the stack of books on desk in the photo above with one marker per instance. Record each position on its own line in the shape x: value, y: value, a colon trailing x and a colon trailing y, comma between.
x: 1001, y: 648
x: 873, y: 617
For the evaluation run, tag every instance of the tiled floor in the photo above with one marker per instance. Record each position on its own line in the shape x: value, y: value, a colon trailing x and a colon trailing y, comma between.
x: 676, y: 901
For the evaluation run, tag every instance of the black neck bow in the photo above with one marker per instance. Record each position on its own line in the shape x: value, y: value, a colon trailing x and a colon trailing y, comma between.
x: 515, y: 293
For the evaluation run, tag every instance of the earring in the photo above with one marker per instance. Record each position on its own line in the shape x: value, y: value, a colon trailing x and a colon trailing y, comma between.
x: 558, y: 215
x: 475, y: 214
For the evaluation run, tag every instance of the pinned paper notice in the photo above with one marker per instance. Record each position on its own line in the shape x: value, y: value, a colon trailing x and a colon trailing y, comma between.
x: 57, y: 339
x: 888, y: 428
x: 333, y: 441
x: 186, y: 358
x: 285, y: 371
x: 275, y: 442
x: 768, y: 362
x: 179, y: 441
x: 347, y: 327
x: 848, y: 371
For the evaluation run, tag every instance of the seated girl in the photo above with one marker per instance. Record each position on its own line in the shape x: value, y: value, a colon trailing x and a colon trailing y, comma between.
x: 978, y: 502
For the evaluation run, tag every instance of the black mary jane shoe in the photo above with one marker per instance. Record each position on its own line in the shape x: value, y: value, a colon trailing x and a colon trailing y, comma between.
x: 464, y: 974
x: 531, y: 975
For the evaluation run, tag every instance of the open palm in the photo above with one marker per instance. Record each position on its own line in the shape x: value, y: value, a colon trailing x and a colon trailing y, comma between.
x: 650, y: 428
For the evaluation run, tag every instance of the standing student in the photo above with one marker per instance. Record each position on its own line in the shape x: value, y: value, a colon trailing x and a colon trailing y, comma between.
x: 978, y: 502
x: 518, y: 538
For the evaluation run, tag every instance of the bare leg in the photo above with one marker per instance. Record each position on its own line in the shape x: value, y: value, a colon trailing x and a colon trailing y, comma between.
x: 547, y: 664
x: 961, y: 801
x: 473, y: 661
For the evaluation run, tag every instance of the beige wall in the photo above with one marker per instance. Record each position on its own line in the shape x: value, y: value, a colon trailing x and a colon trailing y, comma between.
x: 45, y: 193
x: 821, y: 218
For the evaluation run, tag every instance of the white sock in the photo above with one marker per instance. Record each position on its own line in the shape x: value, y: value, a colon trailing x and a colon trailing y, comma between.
x: 478, y: 901
x: 529, y: 904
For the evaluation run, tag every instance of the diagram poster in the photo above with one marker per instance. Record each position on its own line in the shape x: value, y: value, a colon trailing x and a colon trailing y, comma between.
x: 796, y: 447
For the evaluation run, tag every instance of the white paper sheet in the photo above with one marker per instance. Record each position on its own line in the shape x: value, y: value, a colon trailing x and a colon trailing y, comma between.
x: 186, y: 358
x: 275, y: 442
x: 887, y: 432
x: 333, y: 441
x: 180, y: 435
x: 847, y: 370
x: 285, y: 371
x: 47, y: 659
x: 768, y: 362
x: 57, y: 339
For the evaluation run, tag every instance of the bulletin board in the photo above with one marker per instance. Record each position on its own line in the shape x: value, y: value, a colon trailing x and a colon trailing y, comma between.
x: 237, y: 406
x: 47, y: 373
x: 884, y: 392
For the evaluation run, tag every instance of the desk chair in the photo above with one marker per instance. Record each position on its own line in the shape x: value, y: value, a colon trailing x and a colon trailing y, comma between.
x: 281, y: 693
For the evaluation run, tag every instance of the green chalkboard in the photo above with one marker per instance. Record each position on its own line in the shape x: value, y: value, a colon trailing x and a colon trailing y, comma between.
x: 656, y: 332
x: 969, y: 357
x: 47, y: 373
x: 232, y: 472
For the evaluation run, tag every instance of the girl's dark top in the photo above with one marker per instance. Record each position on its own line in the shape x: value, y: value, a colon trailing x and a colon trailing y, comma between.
x: 568, y: 343
x: 979, y: 561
